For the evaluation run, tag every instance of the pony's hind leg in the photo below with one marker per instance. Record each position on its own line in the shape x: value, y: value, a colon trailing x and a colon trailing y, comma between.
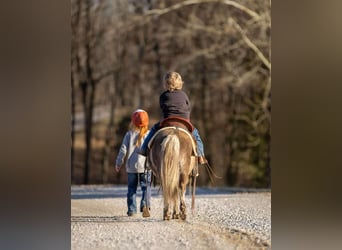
x: 182, y: 201
x: 176, y: 214
x: 183, y: 210
x: 167, y: 211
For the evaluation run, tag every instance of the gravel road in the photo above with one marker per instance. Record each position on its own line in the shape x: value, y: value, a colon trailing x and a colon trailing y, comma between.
x: 225, y: 218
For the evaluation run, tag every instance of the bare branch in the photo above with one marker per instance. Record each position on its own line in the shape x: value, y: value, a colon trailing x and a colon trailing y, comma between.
x: 146, y: 17
x: 250, y: 44
x: 191, y: 2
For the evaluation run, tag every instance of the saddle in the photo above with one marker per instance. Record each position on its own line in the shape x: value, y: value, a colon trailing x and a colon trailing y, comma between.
x: 175, y: 121
x: 179, y: 123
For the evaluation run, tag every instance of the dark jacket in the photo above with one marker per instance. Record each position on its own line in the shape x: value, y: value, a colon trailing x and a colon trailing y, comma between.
x: 175, y: 103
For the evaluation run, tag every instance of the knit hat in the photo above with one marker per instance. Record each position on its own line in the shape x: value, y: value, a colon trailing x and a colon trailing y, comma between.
x: 140, y: 118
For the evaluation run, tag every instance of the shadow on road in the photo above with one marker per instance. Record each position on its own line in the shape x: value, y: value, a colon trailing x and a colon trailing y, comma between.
x: 113, y: 219
x: 115, y: 191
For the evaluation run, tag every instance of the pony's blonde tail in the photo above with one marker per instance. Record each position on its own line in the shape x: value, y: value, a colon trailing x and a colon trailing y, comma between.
x: 170, y: 148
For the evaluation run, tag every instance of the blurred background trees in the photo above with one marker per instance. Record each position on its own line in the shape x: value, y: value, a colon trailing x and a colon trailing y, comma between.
x: 121, y: 50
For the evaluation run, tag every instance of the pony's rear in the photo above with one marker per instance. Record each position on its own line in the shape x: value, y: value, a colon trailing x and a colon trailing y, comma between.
x: 170, y: 160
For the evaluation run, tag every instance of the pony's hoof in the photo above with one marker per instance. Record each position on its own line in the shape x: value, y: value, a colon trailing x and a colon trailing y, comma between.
x: 183, y: 216
x: 175, y: 216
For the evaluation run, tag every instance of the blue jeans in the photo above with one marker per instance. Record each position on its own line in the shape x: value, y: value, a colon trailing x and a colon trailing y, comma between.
x: 154, y: 129
x: 200, y: 148
x: 133, y: 180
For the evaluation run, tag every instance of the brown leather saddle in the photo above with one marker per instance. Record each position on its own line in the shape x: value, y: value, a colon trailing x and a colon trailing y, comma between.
x: 177, y: 122
x: 173, y: 121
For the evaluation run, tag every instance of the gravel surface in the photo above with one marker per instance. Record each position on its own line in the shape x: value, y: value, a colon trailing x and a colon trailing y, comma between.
x: 225, y: 218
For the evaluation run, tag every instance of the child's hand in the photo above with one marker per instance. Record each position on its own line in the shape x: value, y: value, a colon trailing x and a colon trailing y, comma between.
x: 117, y: 168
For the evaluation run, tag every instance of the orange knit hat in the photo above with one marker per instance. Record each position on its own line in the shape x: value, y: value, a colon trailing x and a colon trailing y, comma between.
x: 140, y: 118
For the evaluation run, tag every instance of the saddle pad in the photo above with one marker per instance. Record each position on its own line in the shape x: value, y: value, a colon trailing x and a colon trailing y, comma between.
x: 184, y: 130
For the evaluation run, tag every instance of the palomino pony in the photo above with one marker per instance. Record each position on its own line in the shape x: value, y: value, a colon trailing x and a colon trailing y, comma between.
x: 172, y: 159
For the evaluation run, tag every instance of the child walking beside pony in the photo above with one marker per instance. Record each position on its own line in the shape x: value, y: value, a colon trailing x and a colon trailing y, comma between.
x: 134, y: 162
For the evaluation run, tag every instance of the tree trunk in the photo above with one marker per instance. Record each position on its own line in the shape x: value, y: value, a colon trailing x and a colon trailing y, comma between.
x: 88, y: 93
x: 88, y: 90
x: 109, y: 133
x: 156, y: 51
x: 205, y: 105
x: 72, y: 126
